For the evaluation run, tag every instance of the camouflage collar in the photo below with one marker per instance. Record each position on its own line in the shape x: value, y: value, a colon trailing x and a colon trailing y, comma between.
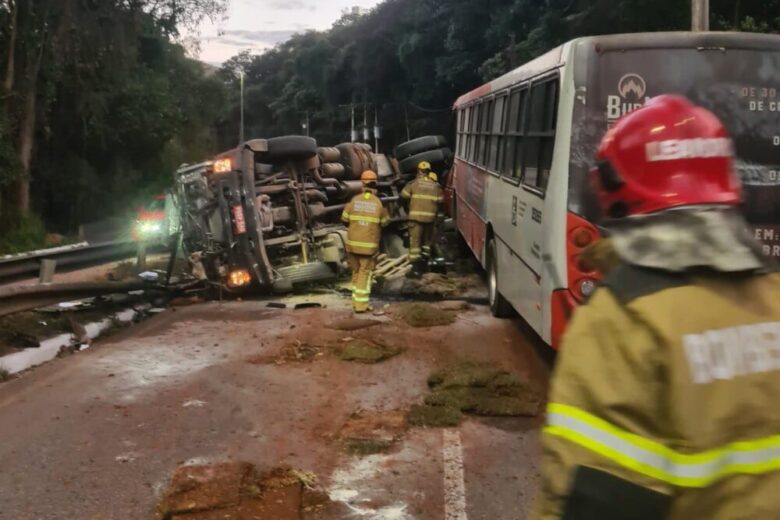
x: 713, y: 237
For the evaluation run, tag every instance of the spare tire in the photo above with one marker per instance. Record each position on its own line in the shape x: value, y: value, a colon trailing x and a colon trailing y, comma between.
x: 437, y: 158
x: 419, y: 145
x: 291, y: 147
x: 332, y: 170
x: 329, y: 155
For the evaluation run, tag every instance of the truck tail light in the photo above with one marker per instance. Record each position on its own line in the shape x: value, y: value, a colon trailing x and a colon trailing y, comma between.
x: 239, y: 222
x: 239, y: 278
x: 222, y: 165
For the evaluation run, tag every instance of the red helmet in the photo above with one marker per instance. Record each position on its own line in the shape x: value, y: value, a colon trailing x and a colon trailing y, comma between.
x: 669, y: 153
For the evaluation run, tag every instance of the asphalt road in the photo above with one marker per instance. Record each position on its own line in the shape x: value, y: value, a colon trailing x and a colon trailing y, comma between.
x: 97, y: 435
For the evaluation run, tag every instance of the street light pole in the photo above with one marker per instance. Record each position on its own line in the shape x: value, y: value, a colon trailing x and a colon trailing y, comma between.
x: 241, y: 130
x: 700, y: 15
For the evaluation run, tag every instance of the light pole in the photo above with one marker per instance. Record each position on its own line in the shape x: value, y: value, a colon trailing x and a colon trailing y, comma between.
x: 241, y: 130
x: 700, y: 15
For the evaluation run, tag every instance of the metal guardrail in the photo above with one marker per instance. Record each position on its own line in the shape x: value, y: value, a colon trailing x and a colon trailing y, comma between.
x: 77, y: 255
x: 26, y: 297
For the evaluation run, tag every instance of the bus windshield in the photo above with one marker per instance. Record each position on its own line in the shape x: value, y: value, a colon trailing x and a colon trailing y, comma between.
x: 739, y: 85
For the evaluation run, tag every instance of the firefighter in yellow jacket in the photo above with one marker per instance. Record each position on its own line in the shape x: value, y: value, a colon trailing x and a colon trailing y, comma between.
x: 664, y: 400
x: 424, y: 195
x: 366, y: 217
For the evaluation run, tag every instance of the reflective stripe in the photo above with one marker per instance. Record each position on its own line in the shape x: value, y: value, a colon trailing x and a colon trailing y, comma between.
x: 422, y: 213
x: 345, y: 216
x: 385, y: 221
x: 367, y: 245
x: 655, y: 460
x: 360, y: 300
x: 405, y: 194
x: 358, y: 218
x: 361, y: 291
x: 427, y: 197
x: 415, y: 250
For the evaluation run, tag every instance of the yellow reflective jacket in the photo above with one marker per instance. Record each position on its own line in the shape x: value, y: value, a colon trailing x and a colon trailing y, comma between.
x: 365, y: 216
x: 666, y: 401
x: 424, y: 195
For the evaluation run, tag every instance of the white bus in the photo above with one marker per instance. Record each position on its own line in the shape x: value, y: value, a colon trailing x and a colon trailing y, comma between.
x: 526, y: 142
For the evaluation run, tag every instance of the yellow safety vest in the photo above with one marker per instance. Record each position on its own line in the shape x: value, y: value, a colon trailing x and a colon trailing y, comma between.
x: 365, y: 216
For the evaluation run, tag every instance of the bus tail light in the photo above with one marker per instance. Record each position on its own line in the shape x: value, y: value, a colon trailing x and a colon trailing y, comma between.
x: 583, y: 277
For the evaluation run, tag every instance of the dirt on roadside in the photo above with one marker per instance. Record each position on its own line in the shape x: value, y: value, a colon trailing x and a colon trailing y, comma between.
x: 240, y: 492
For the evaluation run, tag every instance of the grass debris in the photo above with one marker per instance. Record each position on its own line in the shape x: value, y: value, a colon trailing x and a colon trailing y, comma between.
x: 364, y: 351
x: 434, y: 416
x: 5, y: 375
x: 474, y: 388
x: 424, y: 315
x: 362, y: 447
x: 296, y: 352
x: 368, y: 433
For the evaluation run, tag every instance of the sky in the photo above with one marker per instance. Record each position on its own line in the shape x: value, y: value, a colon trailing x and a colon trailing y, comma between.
x: 257, y: 25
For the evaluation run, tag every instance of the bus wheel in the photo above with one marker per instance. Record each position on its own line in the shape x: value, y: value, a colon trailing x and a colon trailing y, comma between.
x: 498, y: 304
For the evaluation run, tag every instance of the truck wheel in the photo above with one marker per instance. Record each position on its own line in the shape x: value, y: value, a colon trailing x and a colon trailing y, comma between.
x: 291, y: 147
x: 498, y: 304
x: 419, y: 145
x: 332, y: 170
x: 329, y: 155
x: 437, y: 158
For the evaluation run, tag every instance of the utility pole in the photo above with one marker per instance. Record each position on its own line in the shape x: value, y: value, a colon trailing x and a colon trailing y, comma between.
x: 353, y: 133
x: 241, y: 130
x: 700, y: 15
x: 366, y: 131
x: 377, y: 130
x: 306, y: 124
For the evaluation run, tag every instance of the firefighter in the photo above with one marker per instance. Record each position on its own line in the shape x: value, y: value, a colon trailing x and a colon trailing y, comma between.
x: 664, y: 399
x: 424, y: 196
x: 365, y: 217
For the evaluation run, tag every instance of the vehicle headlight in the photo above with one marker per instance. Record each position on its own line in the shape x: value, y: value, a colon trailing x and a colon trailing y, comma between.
x: 149, y: 228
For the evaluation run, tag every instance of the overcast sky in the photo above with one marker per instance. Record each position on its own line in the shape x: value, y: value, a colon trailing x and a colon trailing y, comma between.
x: 258, y: 25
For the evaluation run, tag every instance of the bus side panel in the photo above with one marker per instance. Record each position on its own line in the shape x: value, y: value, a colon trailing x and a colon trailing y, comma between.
x: 470, y: 206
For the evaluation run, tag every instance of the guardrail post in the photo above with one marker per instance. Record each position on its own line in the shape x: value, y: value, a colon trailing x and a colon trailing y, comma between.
x: 48, y: 267
x: 140, y: 258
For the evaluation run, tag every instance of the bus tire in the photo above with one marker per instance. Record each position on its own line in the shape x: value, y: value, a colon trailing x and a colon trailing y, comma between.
x: 291, y: 147
x: 419, y: 145
x: 499, y: 306
x: 438, y: 157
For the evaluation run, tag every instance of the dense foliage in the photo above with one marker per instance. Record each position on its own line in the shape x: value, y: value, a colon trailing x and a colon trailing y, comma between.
x: 411, y: 58
x: 98, y: 103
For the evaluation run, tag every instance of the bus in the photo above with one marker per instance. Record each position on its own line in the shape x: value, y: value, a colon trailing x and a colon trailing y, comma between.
x: 526, y: 144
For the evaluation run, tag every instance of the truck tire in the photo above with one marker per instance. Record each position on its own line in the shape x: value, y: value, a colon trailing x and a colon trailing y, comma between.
x: 329, y: 155
x: 438, y: 158
x: 499, y: 306
x: 419, y: 145
x: 352, y: 161
x: 332, y: 170
x: 291, y: 147
x: 365, y: 146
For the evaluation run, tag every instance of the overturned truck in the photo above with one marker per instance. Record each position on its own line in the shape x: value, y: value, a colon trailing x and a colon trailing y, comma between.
x: 267, y: 214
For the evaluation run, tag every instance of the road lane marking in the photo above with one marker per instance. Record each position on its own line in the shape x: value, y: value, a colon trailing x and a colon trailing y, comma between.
x: 454, y: 480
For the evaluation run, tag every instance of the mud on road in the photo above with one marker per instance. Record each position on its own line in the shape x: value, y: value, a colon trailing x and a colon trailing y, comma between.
x: 241, y: 385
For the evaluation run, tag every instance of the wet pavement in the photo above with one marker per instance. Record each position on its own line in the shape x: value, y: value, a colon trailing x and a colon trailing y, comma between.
x: 98, y: 435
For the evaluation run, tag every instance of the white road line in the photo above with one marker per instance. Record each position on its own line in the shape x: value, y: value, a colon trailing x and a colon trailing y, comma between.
x: 454, y: 480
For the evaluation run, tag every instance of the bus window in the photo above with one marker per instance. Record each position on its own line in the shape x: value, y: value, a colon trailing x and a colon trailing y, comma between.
x: 513, y: 145
x: 487, y: 123
x: 540, y: 134
x: 496, y: 134
x: 470, y: 153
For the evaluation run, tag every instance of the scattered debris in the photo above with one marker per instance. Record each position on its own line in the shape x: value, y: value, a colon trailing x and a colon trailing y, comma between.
x: 474, y: 388
x: 299, y: 306
x: 276, y: 305
x: 194, y: 403
x: 424, y: 315
x: 434, y: 416
x: 122, y: 271
x: 238, y: 490
x: 350, y: 324
x: 454, y: 305
x: 376, y: 432
x: 295, y: 352
x: 5, y: 375
x: 368, y: 352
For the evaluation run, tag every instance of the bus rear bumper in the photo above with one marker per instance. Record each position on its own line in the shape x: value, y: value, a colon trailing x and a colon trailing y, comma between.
x: 562, y: 305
